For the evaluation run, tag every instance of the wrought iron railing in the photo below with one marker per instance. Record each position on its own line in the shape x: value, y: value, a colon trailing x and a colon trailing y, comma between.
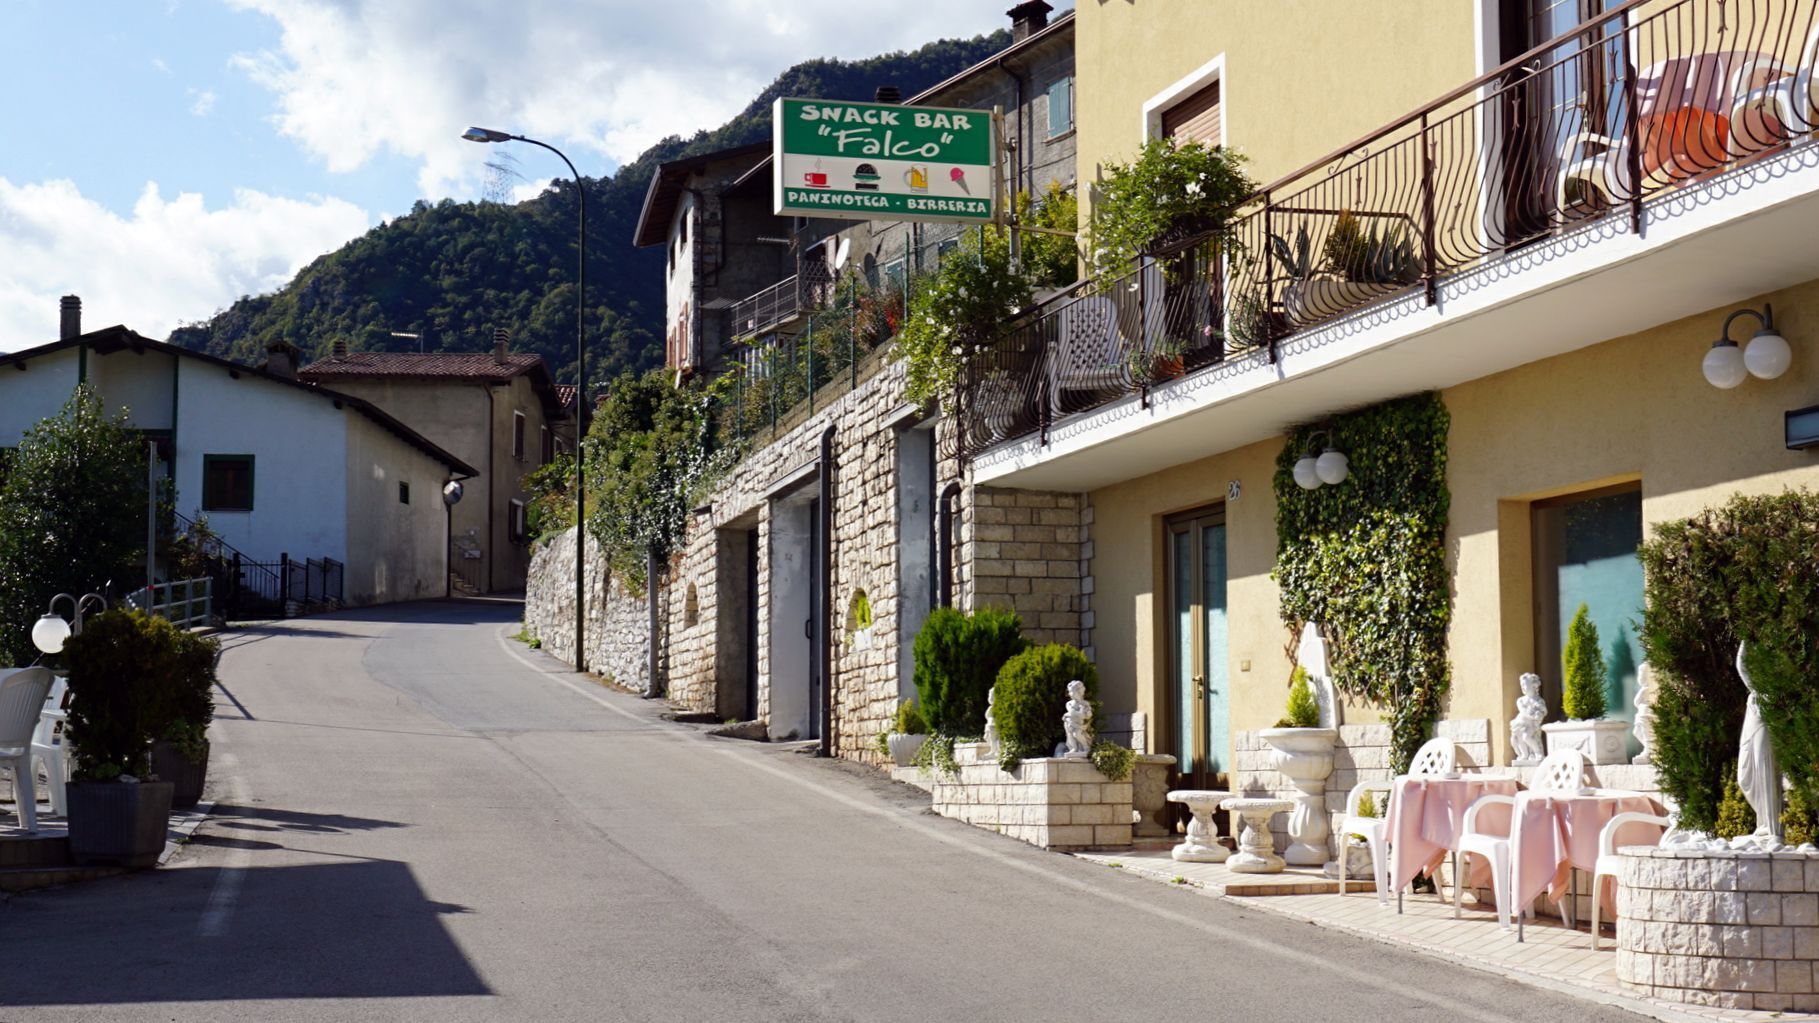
x: 1628, y: 107
x: 782, y: 302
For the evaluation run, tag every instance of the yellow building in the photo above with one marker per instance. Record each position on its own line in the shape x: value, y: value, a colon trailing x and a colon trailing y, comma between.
x: 1581, y: 202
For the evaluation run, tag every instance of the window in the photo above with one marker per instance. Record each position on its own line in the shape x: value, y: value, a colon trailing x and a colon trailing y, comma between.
x: 942, y: 248
x: 549, y: 446
x: 227, y: 483
x: 518, y: 436
x: 1196, y: 118
x: 1061, y: 107
x: 404, y: 492
x: 514, y: 522
x: 893, y: 273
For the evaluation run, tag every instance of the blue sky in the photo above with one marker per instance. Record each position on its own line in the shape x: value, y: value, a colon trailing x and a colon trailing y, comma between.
x: 164, y: 157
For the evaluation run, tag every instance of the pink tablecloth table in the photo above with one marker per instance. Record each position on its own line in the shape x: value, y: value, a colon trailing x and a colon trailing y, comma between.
x: 1426, y: 816
x: 1553, y: 832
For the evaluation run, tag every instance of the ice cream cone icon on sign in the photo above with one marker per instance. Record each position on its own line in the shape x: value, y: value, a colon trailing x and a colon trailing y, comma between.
x: 916, y: 178
x: 958, y: 177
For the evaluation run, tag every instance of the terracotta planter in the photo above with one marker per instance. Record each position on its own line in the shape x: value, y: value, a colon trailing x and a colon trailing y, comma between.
x: 170, y: 765
x: 1166, y: 367
x: 904, y: 747
x: 118, y: 822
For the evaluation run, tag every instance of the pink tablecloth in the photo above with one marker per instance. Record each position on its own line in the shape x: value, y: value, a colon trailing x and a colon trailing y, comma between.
x: 1426, y: 816
x: 1554, y: 831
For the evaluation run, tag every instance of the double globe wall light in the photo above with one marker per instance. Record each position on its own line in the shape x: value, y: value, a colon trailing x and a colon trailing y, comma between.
x: 1330, y: 467
x: 1766, y: 357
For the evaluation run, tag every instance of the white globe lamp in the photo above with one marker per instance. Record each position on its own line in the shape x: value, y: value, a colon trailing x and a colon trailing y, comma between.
x: 1767, y: 355
x: 1723, y: 365
x: 49, y: 633
x: 1307, y: 476
x: 1332, y: 467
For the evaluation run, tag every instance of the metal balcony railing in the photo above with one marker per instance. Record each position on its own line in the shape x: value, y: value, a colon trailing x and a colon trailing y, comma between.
x: 1629, y: 106
x: 783, y: 302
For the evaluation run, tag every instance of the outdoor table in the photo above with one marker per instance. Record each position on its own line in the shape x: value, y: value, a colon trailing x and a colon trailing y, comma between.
x: 1426, y: 817
x: 1554, y: 832
x: 1202, y: 842
x: 1256, y: 845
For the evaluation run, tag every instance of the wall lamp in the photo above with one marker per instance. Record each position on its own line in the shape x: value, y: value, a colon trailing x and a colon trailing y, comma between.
x: 1767, y: 356
x: 50, y: 632
x: 1331, y: 467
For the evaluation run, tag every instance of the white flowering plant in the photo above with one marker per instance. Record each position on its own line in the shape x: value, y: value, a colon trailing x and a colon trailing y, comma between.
x: 958, y: 309
x: 1171, y: 190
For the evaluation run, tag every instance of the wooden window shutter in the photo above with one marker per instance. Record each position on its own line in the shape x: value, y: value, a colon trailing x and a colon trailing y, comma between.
x: 1196, y: 118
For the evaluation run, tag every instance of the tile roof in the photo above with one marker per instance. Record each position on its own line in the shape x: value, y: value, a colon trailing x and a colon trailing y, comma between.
x: 451, y: 365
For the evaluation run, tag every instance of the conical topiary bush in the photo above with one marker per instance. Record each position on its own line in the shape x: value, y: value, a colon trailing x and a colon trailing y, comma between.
x: 1582, y: 669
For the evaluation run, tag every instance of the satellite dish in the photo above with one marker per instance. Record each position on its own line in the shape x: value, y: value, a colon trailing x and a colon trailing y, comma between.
x: 841, y: 251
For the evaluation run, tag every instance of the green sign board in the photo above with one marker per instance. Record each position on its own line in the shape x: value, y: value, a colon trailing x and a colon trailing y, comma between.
x: 881, y: 161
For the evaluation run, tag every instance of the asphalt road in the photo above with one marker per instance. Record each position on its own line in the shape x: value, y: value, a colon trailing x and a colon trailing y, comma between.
x: 419, y: 819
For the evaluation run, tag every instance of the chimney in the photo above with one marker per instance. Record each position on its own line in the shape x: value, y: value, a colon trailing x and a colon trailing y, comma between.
x: 1028, y: 18
x: 887, y: 94
x: 281, y: 359
x: 502, y: 343
x: 71, y: 307
x: 339, y: 349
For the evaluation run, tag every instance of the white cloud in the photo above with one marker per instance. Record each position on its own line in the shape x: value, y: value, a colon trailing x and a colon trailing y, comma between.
x: 201, y: 102
x: 600, y: 78
x: 160, y: 66
x: 172, y: 260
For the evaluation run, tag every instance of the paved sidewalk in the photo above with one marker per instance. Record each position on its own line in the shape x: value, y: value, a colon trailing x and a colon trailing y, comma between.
x: 1553, y: 957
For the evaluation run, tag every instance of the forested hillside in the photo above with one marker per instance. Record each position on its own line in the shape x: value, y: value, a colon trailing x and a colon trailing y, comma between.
x: 453, y: 271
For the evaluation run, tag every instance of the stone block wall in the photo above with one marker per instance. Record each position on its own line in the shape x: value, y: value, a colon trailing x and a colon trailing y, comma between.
x: 1737, y: 930
x: 1051, y: 802
x: 617, y: 629
x: 1028, y: 550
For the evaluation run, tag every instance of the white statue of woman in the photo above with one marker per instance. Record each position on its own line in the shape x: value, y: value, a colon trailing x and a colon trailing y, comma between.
x: 1644, y: 727
x: 1077, y: 721
x: 991, y: 725
x: 1757, y: 773
x: 1525, y: 727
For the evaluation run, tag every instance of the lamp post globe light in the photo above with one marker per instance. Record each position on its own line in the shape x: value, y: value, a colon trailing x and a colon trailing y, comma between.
x: 50, y: 632
x: 490, y: 135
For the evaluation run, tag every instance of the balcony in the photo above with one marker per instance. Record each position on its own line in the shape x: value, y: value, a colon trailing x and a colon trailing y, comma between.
x: 1653, y: 163
x: 779, y: 306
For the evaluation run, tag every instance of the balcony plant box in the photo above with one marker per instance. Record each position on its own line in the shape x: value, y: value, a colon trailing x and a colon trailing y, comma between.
x: 1601, y: 740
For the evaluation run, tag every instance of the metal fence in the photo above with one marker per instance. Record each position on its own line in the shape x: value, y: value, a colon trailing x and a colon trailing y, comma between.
x: 186, y: 603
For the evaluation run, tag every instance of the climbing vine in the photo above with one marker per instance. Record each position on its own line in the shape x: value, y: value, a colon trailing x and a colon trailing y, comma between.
x: 1366, y: 559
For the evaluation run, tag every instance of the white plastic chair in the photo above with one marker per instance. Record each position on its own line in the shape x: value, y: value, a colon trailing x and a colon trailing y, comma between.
x: 21, y: 702
x: 1608, y: 860
x: 1435, y: 758
x: 50, y: 747
x: 1374, y: 831
x: 1560, y: 770
x: 1791, y: 96
x: 1089, y: 354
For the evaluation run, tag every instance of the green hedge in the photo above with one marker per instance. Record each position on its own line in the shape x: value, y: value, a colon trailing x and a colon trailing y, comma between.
x: 1367, y: 560
x: 134, y: 678
x: 957, y: 660
x: 1745, y: 571
x: 1032, y: 699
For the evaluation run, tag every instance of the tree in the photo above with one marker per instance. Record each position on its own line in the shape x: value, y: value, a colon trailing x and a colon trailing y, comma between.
x: 72, y: 514
x: 1582, y: 668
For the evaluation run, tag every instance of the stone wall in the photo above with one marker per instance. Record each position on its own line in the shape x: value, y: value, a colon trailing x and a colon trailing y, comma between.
x: 617, y: 627
x: 1028, y: 550
x: 1051, y: 802
x: 1738, y: 930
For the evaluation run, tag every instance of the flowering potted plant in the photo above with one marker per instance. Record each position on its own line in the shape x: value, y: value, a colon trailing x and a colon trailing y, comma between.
x: 1172, y: 193
x: 962, y: 307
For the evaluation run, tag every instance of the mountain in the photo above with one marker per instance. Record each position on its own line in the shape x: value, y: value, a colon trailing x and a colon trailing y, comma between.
x: 453, y: 271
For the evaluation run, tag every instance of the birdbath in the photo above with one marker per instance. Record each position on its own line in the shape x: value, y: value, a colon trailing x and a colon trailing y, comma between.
x: 1256, y: 846
x: 1202, y: 844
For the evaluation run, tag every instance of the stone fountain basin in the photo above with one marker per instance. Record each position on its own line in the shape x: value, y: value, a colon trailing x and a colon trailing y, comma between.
x: 1300, y: 741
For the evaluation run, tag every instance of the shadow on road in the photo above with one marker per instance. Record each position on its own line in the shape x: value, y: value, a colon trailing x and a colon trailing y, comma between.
x: 359, y: 929
x: 229, y: 816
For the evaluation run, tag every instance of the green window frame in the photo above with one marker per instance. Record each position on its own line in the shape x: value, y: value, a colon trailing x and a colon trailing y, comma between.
x: 1061, y: 107
x: 227, y: 483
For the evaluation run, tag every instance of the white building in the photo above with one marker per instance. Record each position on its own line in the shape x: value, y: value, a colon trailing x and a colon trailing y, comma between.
x: 279, y: 467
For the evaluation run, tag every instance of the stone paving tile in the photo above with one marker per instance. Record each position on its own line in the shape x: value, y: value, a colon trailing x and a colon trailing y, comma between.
x: 1552, y: 955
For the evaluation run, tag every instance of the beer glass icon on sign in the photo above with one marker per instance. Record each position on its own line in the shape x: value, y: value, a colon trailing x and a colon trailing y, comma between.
x: 916, y: 178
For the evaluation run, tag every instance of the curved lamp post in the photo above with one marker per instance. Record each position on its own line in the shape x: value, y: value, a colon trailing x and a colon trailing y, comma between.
x: 50, y: 632
x: 489, y: 135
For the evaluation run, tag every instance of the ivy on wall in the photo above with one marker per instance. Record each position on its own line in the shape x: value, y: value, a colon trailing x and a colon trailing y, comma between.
x: 1366, y: 559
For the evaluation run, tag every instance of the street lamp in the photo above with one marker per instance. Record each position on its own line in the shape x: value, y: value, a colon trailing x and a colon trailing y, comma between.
x: 489, y: 135
x: 50, y: 632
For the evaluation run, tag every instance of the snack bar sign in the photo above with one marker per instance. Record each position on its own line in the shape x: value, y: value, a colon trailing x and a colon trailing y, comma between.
x: 876, y: 161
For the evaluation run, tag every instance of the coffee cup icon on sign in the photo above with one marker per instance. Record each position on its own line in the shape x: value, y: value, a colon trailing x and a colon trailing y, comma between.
x: 916, y: 178
x: 816, y: 178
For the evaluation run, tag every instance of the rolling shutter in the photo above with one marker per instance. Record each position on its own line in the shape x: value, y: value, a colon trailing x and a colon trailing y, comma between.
x: 1196, y: 118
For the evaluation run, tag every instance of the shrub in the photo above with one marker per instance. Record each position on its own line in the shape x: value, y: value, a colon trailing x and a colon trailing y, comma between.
x: 1735, y: 815
x: 1303, y: 709
x: 1582, y: 669
x: 957, y: 660
x: 1742, y: 571
x: 120, y: 673
x: 1113, y: 760
x: 1032, y: 698
x: 1798, y: 824
x: 909, y: 719
x: 1168, y: 189
x: 183, y: 716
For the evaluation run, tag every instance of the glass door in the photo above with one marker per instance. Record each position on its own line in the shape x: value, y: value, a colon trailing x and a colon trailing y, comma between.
x: 1199, y: 700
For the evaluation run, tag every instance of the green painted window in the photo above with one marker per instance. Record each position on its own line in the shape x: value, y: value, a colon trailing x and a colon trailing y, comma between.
x: 1061, y: 107
x: 227, y: 482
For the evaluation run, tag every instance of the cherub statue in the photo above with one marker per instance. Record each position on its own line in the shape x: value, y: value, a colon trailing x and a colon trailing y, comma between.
x: 1078, y: 721
x: 991, y: 725
x: 1525, y: 727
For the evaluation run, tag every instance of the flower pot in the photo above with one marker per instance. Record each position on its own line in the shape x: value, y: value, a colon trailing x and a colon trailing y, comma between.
x: 115, y: 822
x: 1166, y: 367
x: 904, y: 747
x: 1601, y: 740
x: 1358, y: 863
x: 169, y: 764
x: 1305, y: 757
x: 1322, y: 298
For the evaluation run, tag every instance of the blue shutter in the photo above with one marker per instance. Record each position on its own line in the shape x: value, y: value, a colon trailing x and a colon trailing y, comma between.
x: 1061, y: 107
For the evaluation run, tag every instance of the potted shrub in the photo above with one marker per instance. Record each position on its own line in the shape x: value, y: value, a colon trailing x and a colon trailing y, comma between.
x: 180, y: 749
x: 1171, y: 194
x: 1304, y: 754
x: 906, y: 739
x: 1164, y: 360
x: 119, y: 669
x: 1582, y: 698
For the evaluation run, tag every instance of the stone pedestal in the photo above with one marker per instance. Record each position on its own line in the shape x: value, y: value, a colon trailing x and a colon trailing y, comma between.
x: 1202, y: 843
x: 1305, y: 758
x: 1149, y: 794
x: 1256, y: 846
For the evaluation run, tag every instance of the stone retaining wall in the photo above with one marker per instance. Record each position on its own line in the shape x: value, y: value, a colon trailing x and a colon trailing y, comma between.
x: 1738, y: 930
x: 1052, y: 802
x: 617, y: 629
